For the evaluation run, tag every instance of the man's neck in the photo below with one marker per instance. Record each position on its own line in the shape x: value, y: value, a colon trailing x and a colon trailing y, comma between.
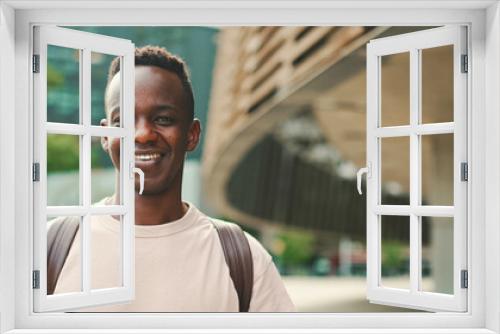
x: 158, y: 209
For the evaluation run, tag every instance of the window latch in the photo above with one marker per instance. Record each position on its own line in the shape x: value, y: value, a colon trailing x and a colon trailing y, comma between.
x: 365, y: 170
x: 134, y: 170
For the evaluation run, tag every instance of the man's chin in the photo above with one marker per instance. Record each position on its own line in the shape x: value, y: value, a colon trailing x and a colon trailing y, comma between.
x: 151, y: 188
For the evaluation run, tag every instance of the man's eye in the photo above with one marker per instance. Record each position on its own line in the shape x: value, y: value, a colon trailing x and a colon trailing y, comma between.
x: 163, y: 120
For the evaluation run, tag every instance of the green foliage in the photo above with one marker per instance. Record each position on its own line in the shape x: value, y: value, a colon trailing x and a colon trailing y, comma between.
x: 298, y: 248
x: 393, y: 257
x: 55, y: 78
x: 62, y: 153
x: 100, y: 158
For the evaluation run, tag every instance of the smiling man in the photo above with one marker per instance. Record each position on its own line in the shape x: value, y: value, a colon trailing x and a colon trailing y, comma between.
x: 181, y: 263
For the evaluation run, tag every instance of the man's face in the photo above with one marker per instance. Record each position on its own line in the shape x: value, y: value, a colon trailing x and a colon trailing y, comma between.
x: 164, y: 131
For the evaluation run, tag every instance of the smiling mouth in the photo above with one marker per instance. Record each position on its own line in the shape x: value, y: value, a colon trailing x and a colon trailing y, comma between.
x: 148, y: 157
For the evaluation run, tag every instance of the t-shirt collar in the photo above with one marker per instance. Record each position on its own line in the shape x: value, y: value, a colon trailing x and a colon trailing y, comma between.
x: 154, y: 231
x: 168, y: 228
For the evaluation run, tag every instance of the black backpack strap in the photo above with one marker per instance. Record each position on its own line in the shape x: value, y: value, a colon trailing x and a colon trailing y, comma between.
x: 239, y: 260
x: 60, y: 237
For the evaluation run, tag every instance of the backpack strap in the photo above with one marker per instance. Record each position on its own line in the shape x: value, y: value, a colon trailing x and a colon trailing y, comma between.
x: 60, y: 237
x: 239, y: 260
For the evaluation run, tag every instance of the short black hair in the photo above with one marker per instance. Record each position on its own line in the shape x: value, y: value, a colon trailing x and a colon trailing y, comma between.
x: 151, y: 55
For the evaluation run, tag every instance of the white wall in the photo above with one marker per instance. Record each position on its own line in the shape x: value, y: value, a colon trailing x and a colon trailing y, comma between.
x: 277, y: 16
x: 492, y: 212
x: 7, y: 176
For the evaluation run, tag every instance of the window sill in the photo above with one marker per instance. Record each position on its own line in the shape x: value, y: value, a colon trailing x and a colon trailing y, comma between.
x: 252, y: 331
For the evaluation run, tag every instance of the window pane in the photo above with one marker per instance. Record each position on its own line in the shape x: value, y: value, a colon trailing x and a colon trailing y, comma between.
x: 437, y: 84
x: 105, y: 170
x: 106, y: 251
x: 63, y: 85
x: 100, y: 106
x: 437, y: 169
x: 395, y: 170
x: 395, y: 251
x: 395, y: 89
x: 437, y: 254
x: 63, y: 161
x: 69, y: 278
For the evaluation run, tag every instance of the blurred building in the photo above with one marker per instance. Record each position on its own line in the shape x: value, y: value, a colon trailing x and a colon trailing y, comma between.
x: 287, y: 130
x: 288, y: 111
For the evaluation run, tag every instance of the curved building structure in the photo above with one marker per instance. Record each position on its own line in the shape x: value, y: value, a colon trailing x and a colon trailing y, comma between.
x: 287, y: 126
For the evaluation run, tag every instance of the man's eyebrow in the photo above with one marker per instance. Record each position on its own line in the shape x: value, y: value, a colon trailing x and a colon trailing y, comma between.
x: 164, y: 106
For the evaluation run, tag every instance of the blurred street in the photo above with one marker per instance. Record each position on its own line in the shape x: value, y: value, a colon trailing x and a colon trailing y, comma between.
x: 334, y: 294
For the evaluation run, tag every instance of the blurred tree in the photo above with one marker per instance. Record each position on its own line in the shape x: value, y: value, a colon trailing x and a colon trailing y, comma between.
x: 393, y: 258
x: 298, y: 248
x: 54, y: 77
x: 62, y: 153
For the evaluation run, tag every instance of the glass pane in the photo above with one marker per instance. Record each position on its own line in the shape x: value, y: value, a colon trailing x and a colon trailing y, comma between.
x: 100, y: 105
x: 437, y: 169
x: 69, y: 278
x: 105, y: 153
x: 437, y: 254
x: 63, y: 85
x: 437, y: 84
x: 395, y: 251
x: 395, y: 170
x: 395, y: 89
x: 106, y: 251
x: 63, y: 161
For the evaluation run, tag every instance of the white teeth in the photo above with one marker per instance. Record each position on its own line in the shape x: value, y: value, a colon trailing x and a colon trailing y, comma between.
x: 147, y: 157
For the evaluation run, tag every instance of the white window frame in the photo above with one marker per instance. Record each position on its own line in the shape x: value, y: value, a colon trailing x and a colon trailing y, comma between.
x: 483, y: 18
x: 85, y: 43
x: 413, y: 43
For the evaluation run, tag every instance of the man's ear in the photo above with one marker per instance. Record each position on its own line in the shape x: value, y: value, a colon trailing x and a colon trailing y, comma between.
x: 193, y: 135
x: 104, y: 140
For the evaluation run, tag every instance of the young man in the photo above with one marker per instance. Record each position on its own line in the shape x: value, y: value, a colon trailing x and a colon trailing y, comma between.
x: 180, y: 263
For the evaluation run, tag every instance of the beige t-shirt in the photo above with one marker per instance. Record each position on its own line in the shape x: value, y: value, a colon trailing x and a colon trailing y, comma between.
x: 179, y: 267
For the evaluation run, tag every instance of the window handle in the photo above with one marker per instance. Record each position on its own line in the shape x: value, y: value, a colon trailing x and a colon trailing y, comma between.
x: 365, y: 170
x: 141, y: 179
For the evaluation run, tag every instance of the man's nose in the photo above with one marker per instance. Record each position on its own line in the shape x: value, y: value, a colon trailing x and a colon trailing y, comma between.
x: 144, y: 132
